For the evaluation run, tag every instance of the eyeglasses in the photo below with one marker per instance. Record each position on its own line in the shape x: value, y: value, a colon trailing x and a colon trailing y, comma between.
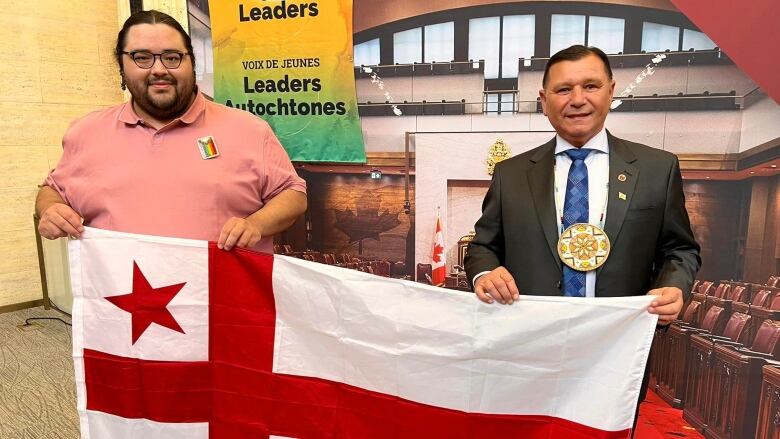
x: 145, y: 60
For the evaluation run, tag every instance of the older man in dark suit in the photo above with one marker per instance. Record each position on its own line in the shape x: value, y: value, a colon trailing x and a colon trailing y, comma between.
x: 629, y: 192
x: 585, y: 175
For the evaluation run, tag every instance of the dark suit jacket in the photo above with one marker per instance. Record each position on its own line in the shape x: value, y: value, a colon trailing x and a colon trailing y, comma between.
x: 652, y: 242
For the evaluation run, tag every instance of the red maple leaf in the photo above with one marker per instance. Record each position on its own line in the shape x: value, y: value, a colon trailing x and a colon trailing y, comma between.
x: 437, y: 252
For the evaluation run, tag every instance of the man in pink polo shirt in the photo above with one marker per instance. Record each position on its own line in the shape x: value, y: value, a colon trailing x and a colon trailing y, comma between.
x: 169, y: 162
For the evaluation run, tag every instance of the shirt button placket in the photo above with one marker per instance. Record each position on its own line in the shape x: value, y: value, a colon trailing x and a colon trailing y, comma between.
x: 157, y: 138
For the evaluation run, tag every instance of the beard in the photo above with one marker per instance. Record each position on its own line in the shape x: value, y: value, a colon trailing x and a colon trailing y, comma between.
x: 163, y: 106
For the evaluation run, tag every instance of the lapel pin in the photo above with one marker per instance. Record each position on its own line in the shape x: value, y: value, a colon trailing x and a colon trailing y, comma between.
x: 622, y: 177
x: 621, y: 195
x: 207, y: 148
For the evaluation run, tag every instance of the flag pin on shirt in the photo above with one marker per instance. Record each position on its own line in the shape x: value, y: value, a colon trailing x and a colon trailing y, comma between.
x: 207, y: 147
x: 622, y: 196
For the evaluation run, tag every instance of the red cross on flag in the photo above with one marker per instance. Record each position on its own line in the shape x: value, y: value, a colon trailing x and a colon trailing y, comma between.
x: 438, y: 263
x: 175, y: 338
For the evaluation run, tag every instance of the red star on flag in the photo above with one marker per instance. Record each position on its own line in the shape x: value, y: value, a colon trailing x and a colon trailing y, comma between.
x: 148, y: 305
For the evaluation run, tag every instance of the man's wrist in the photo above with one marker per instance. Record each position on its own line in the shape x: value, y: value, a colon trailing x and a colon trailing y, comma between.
x: 477, y: 276
x: 256, y: 222
x: 47, y: 197
x: 43, y: 206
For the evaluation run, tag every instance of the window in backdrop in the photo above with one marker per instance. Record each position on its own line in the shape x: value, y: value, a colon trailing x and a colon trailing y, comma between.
x: 660, y: 37
x: 518, y: 36
x: 367, y: 54
x: 507, y: 103
x: 696, y: 41
x: 499, y: 103
x: 435, y: 42
x: 439, y: 42
x: 484, y: 39
x: 606, y: 33
x: 566, y: 30
x: 407, y: 46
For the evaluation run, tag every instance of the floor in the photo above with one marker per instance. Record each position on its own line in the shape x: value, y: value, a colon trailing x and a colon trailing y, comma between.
x: 658, y: 420
x: 37, y: 389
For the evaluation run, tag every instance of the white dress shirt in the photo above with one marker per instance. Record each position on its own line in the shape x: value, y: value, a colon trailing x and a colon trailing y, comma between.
x: 597, y: 163
x: 598, y: 178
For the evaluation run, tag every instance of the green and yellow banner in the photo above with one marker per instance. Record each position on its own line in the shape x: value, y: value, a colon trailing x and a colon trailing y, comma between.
x: 290, y: 63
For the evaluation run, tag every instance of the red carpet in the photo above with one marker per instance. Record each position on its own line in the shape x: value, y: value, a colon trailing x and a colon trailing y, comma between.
x: 658, y: 420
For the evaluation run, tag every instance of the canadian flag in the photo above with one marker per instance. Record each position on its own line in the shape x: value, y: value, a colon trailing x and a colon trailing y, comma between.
x: 438, y: 264
x: 175, y: 338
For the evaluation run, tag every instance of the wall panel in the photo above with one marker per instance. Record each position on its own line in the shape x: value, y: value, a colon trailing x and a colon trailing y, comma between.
x: 351, y: 213
x: 57, y: 67
x: 715, y: 208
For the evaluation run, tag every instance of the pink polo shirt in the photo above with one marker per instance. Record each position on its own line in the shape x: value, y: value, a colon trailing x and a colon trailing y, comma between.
x: 121, y: 174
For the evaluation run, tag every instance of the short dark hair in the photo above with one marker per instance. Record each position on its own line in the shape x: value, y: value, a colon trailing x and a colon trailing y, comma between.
x: 150, y: 17
x: 574, y: 53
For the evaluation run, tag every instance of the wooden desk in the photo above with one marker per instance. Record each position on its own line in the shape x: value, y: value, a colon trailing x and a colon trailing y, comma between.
x: 456, y: 283
x: 768, y: 426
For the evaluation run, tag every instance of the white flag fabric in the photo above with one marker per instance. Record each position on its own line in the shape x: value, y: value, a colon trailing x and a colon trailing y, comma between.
x: 177, y: 339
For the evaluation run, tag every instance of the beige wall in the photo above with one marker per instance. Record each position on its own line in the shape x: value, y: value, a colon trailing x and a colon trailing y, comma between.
x: 57, y: 65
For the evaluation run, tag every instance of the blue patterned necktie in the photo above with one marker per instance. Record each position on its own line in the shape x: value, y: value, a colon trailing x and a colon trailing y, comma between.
x: 575, y: 210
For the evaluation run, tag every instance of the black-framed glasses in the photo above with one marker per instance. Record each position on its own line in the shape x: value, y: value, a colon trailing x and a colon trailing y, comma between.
x: 170, y: 59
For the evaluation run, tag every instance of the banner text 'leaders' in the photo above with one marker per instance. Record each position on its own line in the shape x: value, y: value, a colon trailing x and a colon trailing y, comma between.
x: 279, y: 12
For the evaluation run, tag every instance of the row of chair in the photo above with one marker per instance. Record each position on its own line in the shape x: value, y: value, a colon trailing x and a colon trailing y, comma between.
x: 424, y: 108
x: 681, y: 102
x: 678, y: 102
x: 315, y: 256
x: 619, y: 61
x: 379, y: 267
x: 710, y: 361
x: 282, y: 249
x: 691, y: 57
x: 423, y: 69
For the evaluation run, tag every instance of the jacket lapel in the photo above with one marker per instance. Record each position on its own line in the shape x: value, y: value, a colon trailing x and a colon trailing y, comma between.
x: 623, y: 176
x: 541, y: 181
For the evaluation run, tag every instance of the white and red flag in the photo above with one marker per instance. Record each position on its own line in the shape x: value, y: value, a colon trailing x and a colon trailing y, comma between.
x: 175, y: 338
x: 438, y: 263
